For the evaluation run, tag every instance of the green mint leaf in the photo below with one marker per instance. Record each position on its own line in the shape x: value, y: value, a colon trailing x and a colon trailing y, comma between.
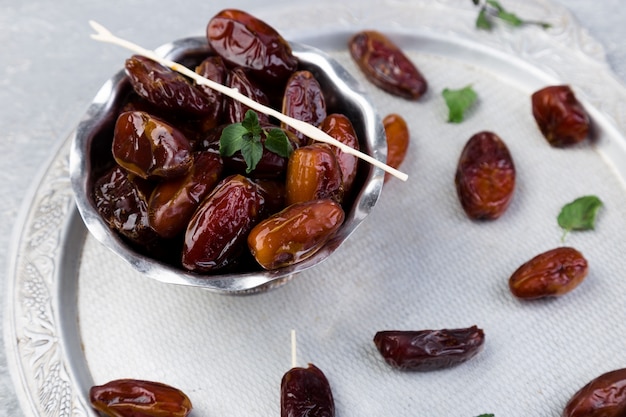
x: 252, y: 151
x: 580, y: 214
x: 510, y: 18
x: 495, y: 5
x: 458, y: 101
x: 231, y: 139
x: 483, y: 22
x: 276, y: 141
x: 251, y: 122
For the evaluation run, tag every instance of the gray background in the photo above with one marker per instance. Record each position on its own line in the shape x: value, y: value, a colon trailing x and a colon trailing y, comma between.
x: 50, y: 70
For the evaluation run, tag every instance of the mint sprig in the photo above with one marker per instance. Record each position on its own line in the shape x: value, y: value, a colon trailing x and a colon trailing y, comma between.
x: 492, y: 9
x: 580, y: 214
x: 458, y: 101
x: 246, y: 137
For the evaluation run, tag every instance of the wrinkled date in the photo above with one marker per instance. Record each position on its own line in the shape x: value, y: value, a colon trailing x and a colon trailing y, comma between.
x: 305, y: 392
x: 561, y: 118
x: 150, y: 147
x: 235, y: 110
x: 397, y: 133
x: 295, y: 233
x: 217, y: 232
x: 243, y: 40
x: 339, y: 127
x: 137, y: 398
x: 426, y: 350
x: 552, y: 273
x: 604, y: 396
x: 485, y: 177
x: 386, y: 66
x: 304, y: 100
x: 313, y: 172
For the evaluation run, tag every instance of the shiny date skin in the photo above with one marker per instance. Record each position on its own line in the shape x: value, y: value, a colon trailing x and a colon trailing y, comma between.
x: 604, y: 396
x: 386, y: 66
x: 339, y: 127
x: 214, y: 69
x: 304, y: 100
x: 306, y: 392
x: 235, y: 110
x: 138, y: 398
x: 173, y: 202
x: 485, y: 177
x: 295, y: 233
x: 427, y: 350
x: 244, y: 41
x: 561, y: 118
x: 313, y: 172
x: 150, y: 147
x: 398, y: 137
x: 217, y: 232
x: 166, y: 88
x: 122, y: 203
x: 549, y: 274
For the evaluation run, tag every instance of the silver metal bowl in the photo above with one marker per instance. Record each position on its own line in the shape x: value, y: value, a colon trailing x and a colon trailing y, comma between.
x: 91, y: 145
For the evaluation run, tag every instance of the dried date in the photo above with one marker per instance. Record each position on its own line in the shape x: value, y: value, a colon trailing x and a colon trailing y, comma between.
x: 243, y: 40
x: 485, y: 177
x: 235, y: 110
x: 150, y: 147
x: 295, y: 233
x: 339, y: 127
x: 552, y: 273
x: 306, y: 392
x: 604, y: 396
x: 137, y: 398
x: 386, y: 66
x: 426, y: 350
x: 561, y: 118
x: 397, y: 132
x: 304, y: 100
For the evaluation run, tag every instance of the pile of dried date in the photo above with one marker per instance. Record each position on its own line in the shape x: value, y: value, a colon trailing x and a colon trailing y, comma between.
x: 191, y: 192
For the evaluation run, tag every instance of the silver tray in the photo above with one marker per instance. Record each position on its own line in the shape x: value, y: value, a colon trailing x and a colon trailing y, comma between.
x: 77, y: 315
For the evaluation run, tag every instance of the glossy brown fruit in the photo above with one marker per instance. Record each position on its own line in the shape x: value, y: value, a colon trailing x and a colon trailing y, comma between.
x: 137, y: 398
x: 149, y: 147
x: 604, y: 396
x: 173, y: 202
x: 295, y: 233
x: 552, y: 273
x: 305, y: 392
x: 123, y: 205
x: 235, y: 110
x: 213, y: 68
x: 386, y: 66
x: 313, y: 173
x: 166, y: 88
x: 339, y: 127
x: 426, y: 350
x: 397, y: 132
x: 217, y: 232
x: 561, y: 118
x: 243, y: 40
x: 485, y: 177
x: 304, y: 100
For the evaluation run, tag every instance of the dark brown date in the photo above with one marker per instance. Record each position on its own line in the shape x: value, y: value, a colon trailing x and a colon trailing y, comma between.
x: 295, y: 233
x: 213, y: 68
x: 137, y: 398
x: 604, y: 396
x: 561, y: 118
x: 304, y: 100
x: 166, y: 88
x: 426, y: 350
x: 305, y: 392
x: 386, y: 66
x: 149, y: 147
x: 398, y: 137
x: 339, y: 127
x: 549, y: 274
x: 313, y: 173
x: 235, y: 110
x: 217, y: 232
x: 173, y: 202
x: 123, y: 205
x: 485, y: 177
x: 243, y: 40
